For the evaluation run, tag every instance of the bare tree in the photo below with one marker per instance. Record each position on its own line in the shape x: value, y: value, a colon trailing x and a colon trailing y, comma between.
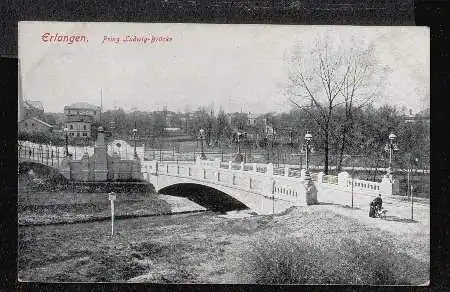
x: 362, y: 85
x: 327, y: 77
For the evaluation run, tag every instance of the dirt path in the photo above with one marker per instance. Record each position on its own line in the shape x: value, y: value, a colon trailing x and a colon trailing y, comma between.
x: 397, y: 223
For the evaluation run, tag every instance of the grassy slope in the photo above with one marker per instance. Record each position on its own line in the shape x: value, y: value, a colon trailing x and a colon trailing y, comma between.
x: 204, y: 248
x: 63, y: 207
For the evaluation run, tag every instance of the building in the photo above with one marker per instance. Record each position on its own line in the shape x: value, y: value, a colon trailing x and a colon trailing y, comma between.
x: 420, y: 116
x: 34, y: 125
x: 32, y: 108
x: 79, y: 118
x: 251, y: 119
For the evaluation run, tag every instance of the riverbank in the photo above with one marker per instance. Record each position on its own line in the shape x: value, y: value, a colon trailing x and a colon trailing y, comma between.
x: 65, y: 207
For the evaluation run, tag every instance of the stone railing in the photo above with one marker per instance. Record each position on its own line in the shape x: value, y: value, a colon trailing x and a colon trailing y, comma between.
x: 344, y: 182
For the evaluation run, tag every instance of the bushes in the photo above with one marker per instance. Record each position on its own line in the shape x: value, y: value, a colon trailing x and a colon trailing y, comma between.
x: 325, y: 261
x: 42, y: 138
x: 57, y: 139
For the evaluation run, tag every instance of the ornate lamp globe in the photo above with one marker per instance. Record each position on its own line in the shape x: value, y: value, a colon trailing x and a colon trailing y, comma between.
x: 308, y: 136
x: 392, y: 136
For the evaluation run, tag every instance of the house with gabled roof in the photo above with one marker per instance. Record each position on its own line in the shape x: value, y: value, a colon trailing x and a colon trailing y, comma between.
x: 32, y: 108
x: 34, y: 125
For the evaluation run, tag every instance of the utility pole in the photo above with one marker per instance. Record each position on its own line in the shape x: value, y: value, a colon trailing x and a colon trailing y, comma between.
x: 353, y: 175
x: 412, y: 204
x: 101, y: 104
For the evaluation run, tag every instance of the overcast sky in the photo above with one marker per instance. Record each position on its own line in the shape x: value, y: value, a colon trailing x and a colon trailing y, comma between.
x: 235, y: 67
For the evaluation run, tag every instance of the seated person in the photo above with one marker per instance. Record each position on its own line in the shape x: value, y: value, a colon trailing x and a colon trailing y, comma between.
x: 378, y: 202
x: 375, y: 205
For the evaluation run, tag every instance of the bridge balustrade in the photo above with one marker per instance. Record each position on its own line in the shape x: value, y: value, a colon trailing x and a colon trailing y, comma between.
x: 284, y: 183
x: 45, y: 154
x: 252, y: 177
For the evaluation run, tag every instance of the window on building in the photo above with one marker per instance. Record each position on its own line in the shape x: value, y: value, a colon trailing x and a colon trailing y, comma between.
x: 26, y: 124
x: 95, y: 112
x: 71, y: 134
x: 84, y: 127
x: 84, y: 134
x: 32, y: 124
x: 78, y: 134
x: 71, y: 127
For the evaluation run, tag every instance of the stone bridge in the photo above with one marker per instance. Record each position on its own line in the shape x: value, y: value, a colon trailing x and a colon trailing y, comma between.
x: 255, y: 185
x: 263, y: 188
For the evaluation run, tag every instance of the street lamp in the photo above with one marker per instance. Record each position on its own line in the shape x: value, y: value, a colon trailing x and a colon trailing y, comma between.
x: 308, y: 138
x: 391, y: 146
x: 202, y: 137
x: 134, y: 138
x: 66, y: 131
x: 239, y: 141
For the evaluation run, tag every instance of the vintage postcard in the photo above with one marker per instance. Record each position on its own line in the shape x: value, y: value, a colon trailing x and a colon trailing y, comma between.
x: 213, y: 153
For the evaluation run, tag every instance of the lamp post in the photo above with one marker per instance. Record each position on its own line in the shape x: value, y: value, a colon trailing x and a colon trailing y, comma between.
x: 391, y: 147
x: 66, y: 131
x: 308, y: 138
x: 239, y: 141
x: 410, y: 187
x: 310, y: 189
x: 134, y: 138
x: 202, y: 137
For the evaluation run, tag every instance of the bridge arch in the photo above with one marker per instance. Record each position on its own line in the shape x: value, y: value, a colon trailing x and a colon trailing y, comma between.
x: 206, y: 196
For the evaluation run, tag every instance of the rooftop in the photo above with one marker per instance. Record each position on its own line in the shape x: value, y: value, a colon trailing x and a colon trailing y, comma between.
x: 33, y: 104
x: 82, y: 105
x: 39, y: 121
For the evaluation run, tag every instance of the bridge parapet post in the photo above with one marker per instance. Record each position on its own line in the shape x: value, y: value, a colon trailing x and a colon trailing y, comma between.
x: 302, y: 173
x: 286, y: 170
x: 389, y: 186
x: 269, y: 171
x: 241, y: 168
x: 343, y: 178
x: 230, y: 165
x: 310, y: 190
x: 320, y: 176
x: 66, y: 167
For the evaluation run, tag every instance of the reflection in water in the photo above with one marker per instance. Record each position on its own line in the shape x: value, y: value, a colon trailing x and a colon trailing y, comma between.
x: 237, y: 214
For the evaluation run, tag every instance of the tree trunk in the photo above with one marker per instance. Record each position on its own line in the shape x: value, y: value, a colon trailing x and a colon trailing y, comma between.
x: 326, y: 150
x: 346, y: 130
x: 341, y: 152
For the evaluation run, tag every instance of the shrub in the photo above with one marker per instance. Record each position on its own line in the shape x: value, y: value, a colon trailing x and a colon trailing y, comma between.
x: 343, y: 261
